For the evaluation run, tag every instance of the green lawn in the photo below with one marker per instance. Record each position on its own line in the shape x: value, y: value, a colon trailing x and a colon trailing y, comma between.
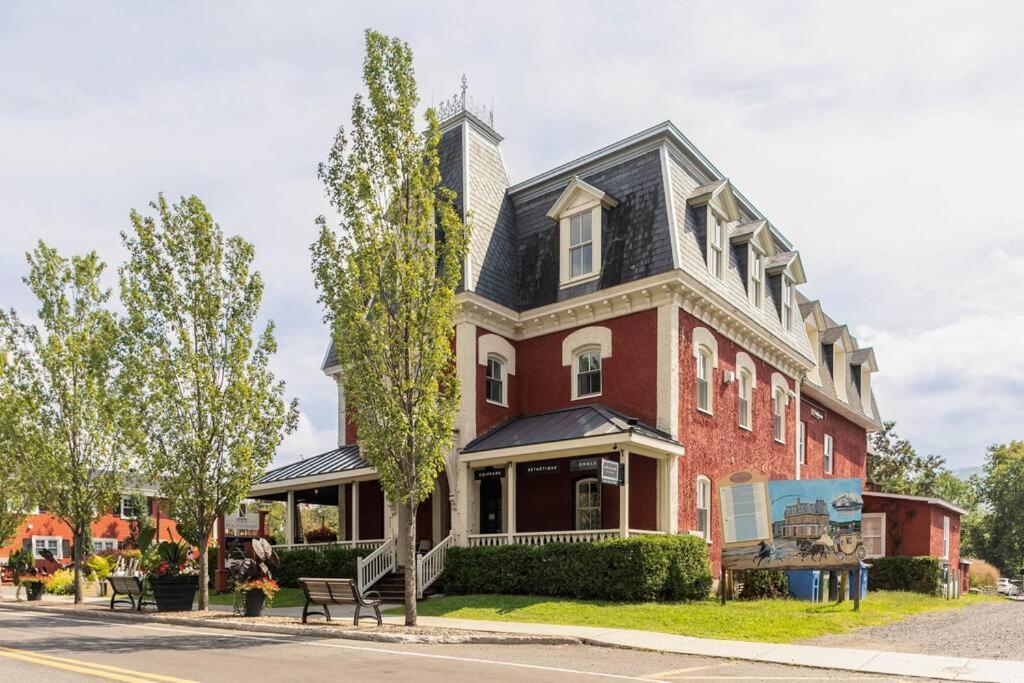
x: 776, y: 621
x: 286, y: 597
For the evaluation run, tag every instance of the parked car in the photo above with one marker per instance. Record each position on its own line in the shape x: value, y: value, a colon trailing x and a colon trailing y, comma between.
x: 1007, y: 587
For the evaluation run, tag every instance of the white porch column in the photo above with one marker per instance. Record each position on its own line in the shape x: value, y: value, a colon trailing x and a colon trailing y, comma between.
x: 355, y: 511
x: 510, y: 474
x: 624, y: 495
x: 341, y: 512
x: 668, y: 495
x: 289, y: 519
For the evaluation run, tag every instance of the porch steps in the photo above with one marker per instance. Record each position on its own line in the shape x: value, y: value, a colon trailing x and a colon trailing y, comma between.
x: 392, y: 587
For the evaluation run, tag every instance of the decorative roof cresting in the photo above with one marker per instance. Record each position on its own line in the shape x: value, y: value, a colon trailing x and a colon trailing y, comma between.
x: 458, y: 103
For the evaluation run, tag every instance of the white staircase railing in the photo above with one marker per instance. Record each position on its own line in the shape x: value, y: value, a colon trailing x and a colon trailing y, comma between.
x: 370, y: 569
x: 430, y: 565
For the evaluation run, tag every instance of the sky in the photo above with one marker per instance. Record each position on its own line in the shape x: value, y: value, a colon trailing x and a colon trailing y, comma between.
x: 881, y: 138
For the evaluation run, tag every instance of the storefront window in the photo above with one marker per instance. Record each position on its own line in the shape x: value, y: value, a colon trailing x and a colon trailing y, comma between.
x: 588, y: 504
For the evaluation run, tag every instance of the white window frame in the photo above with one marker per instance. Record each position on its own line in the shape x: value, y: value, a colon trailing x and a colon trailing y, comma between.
x: 576, y: 372
x: 104, y: 543
x: 787, y: 304
x: 801, y: 442
x: 881, y: 537
x: 755, y: 275
x: 501, y: 379
x: 717, y: 249
x: 828, y: 453
x: 599, y: 507
x: 583, y: 217
x: 578, y: 198
x: 704, y: 355
x: 779, y: 415
x: 702, y: 502
x: 945, y: 537
x: 58, y: 552
x: 125, y: 499
x: 745, y: 390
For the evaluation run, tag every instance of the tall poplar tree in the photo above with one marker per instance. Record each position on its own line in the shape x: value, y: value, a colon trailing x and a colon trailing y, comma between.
x: 14, y: 496
x: 69, y: 381
x: 387, y: 280
x: 213, y: 411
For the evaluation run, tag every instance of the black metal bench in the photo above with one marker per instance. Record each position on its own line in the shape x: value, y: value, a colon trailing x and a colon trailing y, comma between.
x: 130, y: 586
x: 325, y: 592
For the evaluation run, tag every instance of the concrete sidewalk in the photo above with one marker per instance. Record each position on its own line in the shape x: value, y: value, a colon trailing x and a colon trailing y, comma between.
x: 863, y: 661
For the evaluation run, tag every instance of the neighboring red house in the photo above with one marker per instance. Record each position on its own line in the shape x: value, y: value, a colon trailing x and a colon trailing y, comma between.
x: 895, y: 524
x: 42, y: 530
x: 632, y: 307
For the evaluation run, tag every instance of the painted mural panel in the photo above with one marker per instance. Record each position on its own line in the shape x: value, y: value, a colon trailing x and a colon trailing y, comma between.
x: 790, y: 524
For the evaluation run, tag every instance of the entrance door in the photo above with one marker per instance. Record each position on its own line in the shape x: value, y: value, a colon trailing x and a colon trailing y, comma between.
x: 490, y: 506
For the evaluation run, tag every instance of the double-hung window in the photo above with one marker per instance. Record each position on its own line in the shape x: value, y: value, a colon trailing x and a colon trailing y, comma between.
x: 787, y: 304
x: 588, y: 373
x: 829, y: 451
x: 581, y: 245
x: 495, y: 380
x: 801, y: 443
x: 128, y: 510
x: 55, y: 544
x: 100, y: 545
x: 703, y: 507
x: 872, y: 533
x: 588, y: 504
x: 780, y: 415
x: 746, y: 395
x: 716, y: 247
x: 704, y: 380
x: 756, y: 278
x: 945, y: 537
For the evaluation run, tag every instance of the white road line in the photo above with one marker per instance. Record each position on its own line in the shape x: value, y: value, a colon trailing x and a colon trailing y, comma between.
x: 357, y: 648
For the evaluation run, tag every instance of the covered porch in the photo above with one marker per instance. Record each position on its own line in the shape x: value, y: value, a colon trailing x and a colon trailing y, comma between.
x: 581, y: 474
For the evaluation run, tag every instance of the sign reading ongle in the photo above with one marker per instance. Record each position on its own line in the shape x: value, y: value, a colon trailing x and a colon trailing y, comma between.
x: 789, y: 524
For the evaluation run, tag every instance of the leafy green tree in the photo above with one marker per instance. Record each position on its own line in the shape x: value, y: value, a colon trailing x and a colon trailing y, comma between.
x: 67, y: 375
x: 387, y: 281
x: 898, y: 468
x: 214, y: 413
x: 140, y: 521
x: 1003, y: 492
x: 14, y: 493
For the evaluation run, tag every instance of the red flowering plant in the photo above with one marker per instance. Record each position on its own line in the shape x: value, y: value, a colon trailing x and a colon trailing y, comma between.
x: 253, y: 572
x: 169, y: 558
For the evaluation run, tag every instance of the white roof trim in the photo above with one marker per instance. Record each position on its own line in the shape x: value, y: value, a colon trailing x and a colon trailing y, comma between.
x: 604, y: 443
x: 577, y: 186
x: 923, y: 499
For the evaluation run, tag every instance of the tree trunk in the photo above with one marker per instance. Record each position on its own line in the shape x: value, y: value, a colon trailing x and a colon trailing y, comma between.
x: 76, y: 557
x: 204, y: 570
x: 410, y: 568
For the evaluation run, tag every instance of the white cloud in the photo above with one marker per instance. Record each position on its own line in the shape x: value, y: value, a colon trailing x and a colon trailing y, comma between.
x: 304, y: 442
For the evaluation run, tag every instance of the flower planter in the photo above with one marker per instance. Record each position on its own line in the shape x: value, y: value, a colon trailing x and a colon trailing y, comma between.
x: 254, y: 601
x: 174, y: 593
x: 33, y: 591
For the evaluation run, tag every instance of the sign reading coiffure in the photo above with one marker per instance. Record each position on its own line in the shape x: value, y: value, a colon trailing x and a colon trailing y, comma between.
x: 489, y: 473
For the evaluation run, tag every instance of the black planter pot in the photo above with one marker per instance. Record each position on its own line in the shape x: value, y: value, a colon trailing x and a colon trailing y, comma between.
x: 34, y: 591
x: 174, y: 593
x: 254, y: 603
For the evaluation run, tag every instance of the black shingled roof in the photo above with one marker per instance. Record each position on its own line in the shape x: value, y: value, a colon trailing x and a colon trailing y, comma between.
x: 343, y: 459
x: 560, y: 425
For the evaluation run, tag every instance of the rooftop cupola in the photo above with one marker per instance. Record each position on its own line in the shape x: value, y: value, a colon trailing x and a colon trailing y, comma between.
x: 462, y: 106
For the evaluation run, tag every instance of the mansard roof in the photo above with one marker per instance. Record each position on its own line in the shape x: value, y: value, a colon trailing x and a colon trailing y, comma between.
x: 788, y: 262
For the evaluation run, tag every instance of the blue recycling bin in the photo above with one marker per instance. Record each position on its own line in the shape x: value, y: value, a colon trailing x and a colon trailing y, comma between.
x: 863, y: 580
x: 805, y: 584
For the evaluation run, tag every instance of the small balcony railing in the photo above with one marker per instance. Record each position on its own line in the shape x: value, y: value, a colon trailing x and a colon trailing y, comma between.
x: 543, y: 537
x: 361, y: 544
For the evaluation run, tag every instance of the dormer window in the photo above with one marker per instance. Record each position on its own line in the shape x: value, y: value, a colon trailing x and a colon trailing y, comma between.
x: 578, y: 211
x: 715, y: 207
x: 787, y: 304
x: 581, y: 245
x: 716, y: 245
x: 496, y: 380
x: 756, y: 287
x: 839, y: 370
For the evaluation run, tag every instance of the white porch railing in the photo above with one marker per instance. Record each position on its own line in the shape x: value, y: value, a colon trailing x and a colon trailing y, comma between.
x: 543, y: 537
x: 370, y: 569
x: 368, y: 544
x: 430, y: 565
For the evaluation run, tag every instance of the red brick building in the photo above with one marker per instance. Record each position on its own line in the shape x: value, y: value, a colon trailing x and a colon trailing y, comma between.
x: 630, y: 306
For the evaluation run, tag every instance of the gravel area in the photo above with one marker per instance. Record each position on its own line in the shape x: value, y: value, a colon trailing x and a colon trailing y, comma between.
x: 990, y: 630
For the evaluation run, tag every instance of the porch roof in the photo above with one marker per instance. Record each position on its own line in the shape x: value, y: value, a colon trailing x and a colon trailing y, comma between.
x: 593, y: 420
x: 342, y: 459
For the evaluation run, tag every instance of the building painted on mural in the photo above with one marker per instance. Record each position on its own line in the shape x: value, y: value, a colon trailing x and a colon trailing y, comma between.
x: 633, y: 307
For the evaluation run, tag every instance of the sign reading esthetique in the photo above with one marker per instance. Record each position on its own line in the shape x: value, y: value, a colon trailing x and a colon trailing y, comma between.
x: 546, y: 467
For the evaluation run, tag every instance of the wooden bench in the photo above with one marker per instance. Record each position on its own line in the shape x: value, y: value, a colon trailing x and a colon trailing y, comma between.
x: 130, y: 586
x: 325, y: 592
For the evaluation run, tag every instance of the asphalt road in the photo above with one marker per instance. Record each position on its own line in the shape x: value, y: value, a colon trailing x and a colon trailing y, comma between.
x: 42, y: 647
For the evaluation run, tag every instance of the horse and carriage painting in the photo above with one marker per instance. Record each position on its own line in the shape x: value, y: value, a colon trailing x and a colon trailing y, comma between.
x: 790, y: 524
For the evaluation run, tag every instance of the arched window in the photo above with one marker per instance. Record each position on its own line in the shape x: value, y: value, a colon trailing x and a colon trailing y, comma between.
x: 588, y: 504
x: 780, y: 415
x: 703, y: 507
x: 496, y: 384
x: 704, y: 379
x: 588, y: 373
x: 746, y: 395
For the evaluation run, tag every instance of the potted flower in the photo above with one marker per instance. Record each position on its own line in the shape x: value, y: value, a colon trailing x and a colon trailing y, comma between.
x: 173, y: 575
x: 26, y: 575
x: 254, y: 585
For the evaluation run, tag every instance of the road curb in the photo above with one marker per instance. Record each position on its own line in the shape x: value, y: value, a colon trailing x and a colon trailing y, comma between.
x: 283, y: 629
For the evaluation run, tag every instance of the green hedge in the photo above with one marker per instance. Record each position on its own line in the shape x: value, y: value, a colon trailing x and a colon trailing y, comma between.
x: 330, y: 563
x: 763, y: 584
x: 899, y: 573
x: 635, y: 569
